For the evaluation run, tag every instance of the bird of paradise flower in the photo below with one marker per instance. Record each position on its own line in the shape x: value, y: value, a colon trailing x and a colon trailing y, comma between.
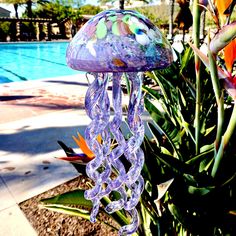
x: 78, y: 158
x: 224, y: 40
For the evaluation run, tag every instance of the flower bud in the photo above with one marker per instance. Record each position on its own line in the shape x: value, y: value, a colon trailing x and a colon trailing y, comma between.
x: 223, y: 37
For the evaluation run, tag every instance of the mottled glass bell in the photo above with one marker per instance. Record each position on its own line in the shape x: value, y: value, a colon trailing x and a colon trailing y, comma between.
x: 119, y: 41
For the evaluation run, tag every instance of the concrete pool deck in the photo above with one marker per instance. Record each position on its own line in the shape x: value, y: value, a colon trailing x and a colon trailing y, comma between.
x: 34, y: 115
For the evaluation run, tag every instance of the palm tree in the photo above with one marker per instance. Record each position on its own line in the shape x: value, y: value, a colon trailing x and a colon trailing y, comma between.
x: 16, y: 9
x: 29, y: 4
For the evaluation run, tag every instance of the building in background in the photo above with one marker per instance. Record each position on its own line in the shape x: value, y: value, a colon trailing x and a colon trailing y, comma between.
x: 4, y: 12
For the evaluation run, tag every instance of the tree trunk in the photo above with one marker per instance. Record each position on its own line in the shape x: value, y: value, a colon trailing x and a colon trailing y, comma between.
x: 30, y: 15
x: 122, y: 3
x: 16, y: 10
x: 29, y: 8
x: 171, y: 18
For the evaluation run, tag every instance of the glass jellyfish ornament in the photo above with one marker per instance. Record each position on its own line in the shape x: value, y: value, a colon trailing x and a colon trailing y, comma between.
x: 110, y: 44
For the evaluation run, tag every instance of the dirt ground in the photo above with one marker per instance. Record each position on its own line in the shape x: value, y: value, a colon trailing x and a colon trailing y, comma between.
x: 49, y: 223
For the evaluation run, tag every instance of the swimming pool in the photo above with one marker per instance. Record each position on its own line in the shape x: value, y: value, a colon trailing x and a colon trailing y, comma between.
x: 32, y: 61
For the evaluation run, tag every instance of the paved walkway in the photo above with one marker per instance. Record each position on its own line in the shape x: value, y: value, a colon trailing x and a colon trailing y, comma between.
x: 33, y: 116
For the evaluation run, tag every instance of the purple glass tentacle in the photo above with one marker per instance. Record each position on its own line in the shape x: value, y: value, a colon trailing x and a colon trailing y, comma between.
x: 117, y: 134
x: 118, y: 204
x: 136, y: 190
x: 117, y: 152
x: 95, y: 210
x: 97, y: 106
x: 131, y: 228
x: 133, y: 152
x: 113, y: 158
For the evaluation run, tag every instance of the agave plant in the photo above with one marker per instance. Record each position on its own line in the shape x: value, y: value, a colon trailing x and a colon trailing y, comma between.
x: 190, y: 159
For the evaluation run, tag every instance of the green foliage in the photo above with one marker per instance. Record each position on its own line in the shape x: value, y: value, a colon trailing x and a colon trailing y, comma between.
x: 72, y: 3
x: 75, y: 197
x: 195, y: 201
x: 56, y: 11
x: 81, y: 207
x: 157, y: 14
x: 5, y: 27
x: 4, y: 30
x: 89, y: 9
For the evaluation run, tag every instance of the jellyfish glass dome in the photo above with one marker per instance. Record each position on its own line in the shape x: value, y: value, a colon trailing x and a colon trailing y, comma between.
x: 112, y: 44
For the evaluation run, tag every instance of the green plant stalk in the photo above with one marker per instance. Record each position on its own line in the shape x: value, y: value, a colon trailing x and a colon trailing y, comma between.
x: 127, y: 84
x: 161, y: 87
x: 117, y: 215
x: 147, y: 210
x: 167, y: 101
x: 146, y: 221
x: 219, y: 97
x: 224, y: 142
x: 220, y: 121
x: 196, y: 36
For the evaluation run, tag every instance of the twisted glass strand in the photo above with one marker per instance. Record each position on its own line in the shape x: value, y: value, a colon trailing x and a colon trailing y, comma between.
x: 133, y: 153
x: 117, y: 152
x: 97, y: 106
x: 131, y: 228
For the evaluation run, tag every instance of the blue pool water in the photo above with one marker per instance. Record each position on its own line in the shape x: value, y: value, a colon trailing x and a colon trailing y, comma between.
x: 32, y: 61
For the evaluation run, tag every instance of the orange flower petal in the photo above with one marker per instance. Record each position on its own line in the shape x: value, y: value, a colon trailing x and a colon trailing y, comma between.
x: 83, y: 146
x: 230, y: 55
x: 99, y: 138
x: 222, y: 5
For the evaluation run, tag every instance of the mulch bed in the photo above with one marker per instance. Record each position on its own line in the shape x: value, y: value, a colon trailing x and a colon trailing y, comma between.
x: 49, y: 223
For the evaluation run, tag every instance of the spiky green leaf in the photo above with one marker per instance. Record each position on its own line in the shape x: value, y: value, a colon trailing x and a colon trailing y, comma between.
x: 75, y: 197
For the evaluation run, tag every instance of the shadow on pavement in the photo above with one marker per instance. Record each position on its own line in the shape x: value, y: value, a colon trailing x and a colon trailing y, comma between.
x: 38, y: 141
x: 52, y: 105
x: 15, y: 97
x: 68, y: 82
